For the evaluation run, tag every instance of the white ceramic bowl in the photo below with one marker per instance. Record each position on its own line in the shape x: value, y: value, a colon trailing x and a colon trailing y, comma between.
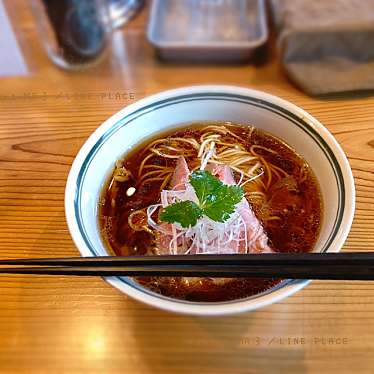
x: 171, y: 109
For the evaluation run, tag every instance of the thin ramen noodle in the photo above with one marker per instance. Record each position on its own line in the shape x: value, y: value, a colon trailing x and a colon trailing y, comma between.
x: 280, y: 212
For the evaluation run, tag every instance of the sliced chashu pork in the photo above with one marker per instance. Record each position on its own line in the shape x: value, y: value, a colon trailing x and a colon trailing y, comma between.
x: 257, y: 241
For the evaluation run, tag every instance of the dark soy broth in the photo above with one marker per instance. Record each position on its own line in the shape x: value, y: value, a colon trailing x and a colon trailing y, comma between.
x: 292, y: 196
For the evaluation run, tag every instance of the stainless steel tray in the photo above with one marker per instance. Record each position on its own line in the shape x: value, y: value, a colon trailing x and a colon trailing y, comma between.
x: 219, y: 30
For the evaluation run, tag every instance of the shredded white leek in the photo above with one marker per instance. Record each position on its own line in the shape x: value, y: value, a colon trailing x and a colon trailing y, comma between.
x: 207, y: 236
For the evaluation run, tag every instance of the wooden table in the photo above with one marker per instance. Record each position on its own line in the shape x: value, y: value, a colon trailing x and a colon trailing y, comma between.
x: 62, y: 324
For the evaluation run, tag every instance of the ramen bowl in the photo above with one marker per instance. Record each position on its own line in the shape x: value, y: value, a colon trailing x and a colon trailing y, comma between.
x: 175, y: 108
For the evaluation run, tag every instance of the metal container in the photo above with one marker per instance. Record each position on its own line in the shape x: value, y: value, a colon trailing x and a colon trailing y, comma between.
x: 214, y: 30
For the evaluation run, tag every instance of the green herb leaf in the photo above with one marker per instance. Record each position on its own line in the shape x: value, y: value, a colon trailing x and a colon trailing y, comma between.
x: 185, y: 212
x: 223, y: 204
x: 216, y: 199
x: 205, y: 185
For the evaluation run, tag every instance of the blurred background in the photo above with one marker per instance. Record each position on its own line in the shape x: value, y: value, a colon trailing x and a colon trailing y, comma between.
x: 321, y: 47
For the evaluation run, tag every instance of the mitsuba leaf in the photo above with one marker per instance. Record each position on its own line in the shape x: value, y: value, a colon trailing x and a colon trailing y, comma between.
x: 220, y: 206
x: 216, y: 200
x: 205, y: 185
x: 186, y: 213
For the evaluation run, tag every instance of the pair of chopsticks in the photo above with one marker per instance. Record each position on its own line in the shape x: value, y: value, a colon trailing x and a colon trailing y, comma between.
x: 343, y: 266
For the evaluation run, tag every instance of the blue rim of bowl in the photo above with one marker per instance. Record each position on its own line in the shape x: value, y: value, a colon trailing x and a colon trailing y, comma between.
x: 260, y: 103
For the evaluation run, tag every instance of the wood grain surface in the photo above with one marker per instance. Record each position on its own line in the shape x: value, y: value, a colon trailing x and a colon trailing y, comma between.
x: 70, y: 324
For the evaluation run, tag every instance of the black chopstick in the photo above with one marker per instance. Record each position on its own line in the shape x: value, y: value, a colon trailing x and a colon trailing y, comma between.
x: 343, y: 266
